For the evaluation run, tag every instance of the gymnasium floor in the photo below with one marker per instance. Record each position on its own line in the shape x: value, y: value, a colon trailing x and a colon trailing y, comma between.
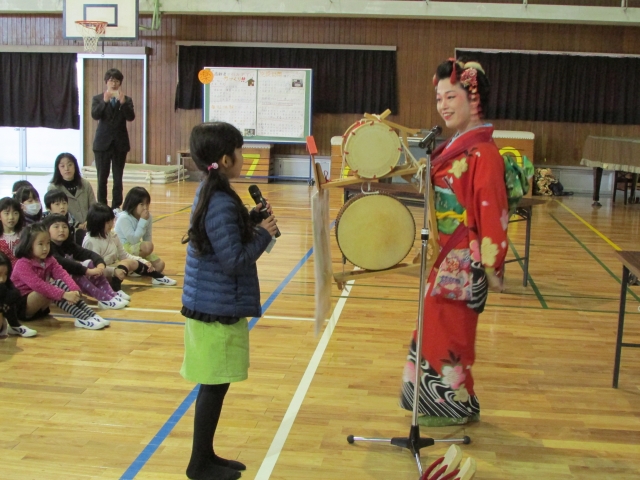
x: 79, y: 404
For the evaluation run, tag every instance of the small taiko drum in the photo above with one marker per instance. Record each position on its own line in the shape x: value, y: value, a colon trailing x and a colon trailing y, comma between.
x: 375, y: 231
x: 371, y: 148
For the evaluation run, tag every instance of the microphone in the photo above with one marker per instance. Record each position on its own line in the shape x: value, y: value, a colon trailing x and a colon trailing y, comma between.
x: 255, y: 193
x: 429, y: 137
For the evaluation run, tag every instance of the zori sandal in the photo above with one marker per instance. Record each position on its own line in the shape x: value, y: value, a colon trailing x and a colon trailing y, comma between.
x: 467, y: 471
x: 444, y: 466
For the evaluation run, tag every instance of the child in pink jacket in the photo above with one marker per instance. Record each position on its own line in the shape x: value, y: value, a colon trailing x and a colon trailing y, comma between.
x: 42, y: 281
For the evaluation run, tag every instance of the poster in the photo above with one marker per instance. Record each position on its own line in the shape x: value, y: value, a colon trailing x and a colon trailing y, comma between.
x: 232, y: 98
x: 269, y: 104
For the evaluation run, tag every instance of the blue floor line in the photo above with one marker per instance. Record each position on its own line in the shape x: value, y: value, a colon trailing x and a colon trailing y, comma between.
x: 166, y: 429
x: 128, y: 320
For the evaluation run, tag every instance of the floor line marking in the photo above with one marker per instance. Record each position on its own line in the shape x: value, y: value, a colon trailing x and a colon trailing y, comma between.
x: 162, y: 217
x: 589, y: 226
x: 595, y: 257
x: 271, y: 458
x: 534, y: 287
x: 159, y: 437
x: 302, y: 319
x: 148, y: 451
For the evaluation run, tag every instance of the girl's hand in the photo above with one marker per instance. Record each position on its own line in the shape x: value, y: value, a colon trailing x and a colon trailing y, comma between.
x: 145, y: 214
x: 496, y: 284
x: 93, y: 272
x: 83, y: 226
x: 149, y: 266
x: 269, y: 224
x: 258, y: 207
x: 72, y: 297
x: 118, y: 272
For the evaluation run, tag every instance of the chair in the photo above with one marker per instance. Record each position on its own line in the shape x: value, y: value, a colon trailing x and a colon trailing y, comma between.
x: 622, y: 181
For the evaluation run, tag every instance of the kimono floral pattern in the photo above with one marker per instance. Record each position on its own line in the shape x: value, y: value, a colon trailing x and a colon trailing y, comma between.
x: 468, y: 177
x: 453, y: 280
x: 443, y: 395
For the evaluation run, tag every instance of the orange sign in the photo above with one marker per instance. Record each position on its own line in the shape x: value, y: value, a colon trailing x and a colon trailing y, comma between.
x: 205, y: 76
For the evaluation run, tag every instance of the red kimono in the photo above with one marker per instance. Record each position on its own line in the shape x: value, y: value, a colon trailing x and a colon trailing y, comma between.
x: 467, y: 174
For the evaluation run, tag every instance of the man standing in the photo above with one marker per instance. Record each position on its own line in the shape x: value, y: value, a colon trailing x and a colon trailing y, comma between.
x: 113, y: 109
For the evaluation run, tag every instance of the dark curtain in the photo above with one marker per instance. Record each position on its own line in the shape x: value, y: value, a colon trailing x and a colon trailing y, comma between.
x: 344, y: 81
x: 561, y: 87
x: 39, y: 90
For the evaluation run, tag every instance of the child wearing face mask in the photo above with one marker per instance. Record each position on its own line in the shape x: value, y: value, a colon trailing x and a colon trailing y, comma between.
x: 29, y: 199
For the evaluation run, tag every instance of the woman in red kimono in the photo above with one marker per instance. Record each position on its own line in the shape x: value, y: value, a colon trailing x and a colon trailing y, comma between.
x: 467, y: 174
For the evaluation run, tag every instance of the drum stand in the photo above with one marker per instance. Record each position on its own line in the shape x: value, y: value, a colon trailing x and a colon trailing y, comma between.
x: 414, y: 442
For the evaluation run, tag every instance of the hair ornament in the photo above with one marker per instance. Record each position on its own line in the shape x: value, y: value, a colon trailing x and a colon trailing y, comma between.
x: 469, y: 80
x: 475, y: 65
x: 213, y: 166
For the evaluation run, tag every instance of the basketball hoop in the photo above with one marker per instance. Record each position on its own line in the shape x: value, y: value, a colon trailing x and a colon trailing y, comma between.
x: 91, y: 31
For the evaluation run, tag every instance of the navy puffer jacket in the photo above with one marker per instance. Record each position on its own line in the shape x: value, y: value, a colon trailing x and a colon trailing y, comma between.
x: 225, y: 282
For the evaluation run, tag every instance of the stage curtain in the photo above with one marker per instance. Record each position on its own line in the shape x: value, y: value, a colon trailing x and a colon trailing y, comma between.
x: 561, y: 87
x: 344, y: 81
x: 39, y: 90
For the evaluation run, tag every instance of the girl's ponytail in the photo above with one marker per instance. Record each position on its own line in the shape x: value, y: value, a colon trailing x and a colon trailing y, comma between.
x: 209, y: 143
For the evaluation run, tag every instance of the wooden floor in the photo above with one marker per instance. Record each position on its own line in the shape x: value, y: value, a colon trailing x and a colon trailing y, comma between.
x: 79, y: 404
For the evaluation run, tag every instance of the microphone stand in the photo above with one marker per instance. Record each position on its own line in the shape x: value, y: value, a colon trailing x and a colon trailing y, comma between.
x: 414, y: 442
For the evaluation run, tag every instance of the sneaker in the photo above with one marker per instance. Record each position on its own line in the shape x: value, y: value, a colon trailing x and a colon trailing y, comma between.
x: 121, y: 294
x: 116, y: 303
x: 91, y: 324
x: 103, y: 321
x: 22, y: 331
x: 163, y: 281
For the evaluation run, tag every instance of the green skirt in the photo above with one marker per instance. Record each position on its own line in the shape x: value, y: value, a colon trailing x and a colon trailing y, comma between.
x: 215, y: 353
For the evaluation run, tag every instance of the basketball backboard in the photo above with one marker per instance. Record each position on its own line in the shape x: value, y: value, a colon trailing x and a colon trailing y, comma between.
x: 121, y: 17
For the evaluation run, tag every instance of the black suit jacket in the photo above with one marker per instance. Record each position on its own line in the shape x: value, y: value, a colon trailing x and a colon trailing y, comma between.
x: 112, y: 123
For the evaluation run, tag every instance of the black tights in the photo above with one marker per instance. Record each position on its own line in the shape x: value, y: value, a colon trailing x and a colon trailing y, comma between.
x: 9, y: 301
x: 204, y: 463
x: 142, y: 269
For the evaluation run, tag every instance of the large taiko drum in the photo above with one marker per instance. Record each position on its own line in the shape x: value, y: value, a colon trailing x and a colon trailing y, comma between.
x: 375, y: 231
x: 371, y: 148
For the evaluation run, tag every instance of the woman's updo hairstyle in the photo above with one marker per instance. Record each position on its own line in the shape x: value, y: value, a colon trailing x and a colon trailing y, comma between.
x: 471, y: 76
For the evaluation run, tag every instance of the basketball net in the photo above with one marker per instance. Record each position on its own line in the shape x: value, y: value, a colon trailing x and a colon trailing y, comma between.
x: 91, y: 31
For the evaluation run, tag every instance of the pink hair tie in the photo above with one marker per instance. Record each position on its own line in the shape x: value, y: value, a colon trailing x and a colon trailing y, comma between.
x: 213, y: 166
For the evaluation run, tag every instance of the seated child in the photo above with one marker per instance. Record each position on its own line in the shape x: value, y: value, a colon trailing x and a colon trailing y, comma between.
x: 12, y: 221
x: 30, y: 201
x: 19, y: 184
x: 85, y: 267
x: 134, y: 228
x: 42, y: 281
x: 102, y: 240
x: 9, y: 300
x: 57, y: 202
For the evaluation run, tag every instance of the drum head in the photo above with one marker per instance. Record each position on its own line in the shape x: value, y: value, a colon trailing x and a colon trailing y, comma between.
x: 371, y: 148
x: 375, y: 231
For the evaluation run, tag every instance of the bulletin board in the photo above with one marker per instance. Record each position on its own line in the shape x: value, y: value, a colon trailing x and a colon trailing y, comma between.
x: 266, y: 104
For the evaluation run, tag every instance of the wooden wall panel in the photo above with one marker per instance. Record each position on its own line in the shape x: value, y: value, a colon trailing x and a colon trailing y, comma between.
x: 421, y: 45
